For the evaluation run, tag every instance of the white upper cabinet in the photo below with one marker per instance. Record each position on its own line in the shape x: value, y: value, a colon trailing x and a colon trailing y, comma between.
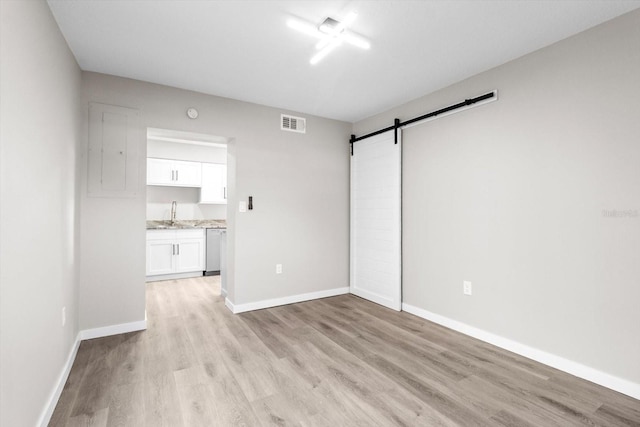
x: 188, y: 174
x: 175, y: 173
x: 214, y: 183
x: 160, y: 172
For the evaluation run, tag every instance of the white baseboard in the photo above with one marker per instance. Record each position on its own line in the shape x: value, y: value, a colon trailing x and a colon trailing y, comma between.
x: 45, y: 417
x: 259, y: 305
x: 585, y: 372
x: 106, y: 331
x: 86, y: 334
x: 173, y: 276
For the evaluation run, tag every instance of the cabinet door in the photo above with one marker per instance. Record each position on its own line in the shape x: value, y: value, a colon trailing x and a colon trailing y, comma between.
x: 160, y: 172
x: 188, y: 174
x: 214, y: 183
x: 223, y: 171
x: 190, y: 255
x: 160, y: 257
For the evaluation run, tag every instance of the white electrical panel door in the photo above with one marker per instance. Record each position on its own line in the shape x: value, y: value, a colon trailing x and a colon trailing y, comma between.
x: 376, y: 264
x: 115, y: 143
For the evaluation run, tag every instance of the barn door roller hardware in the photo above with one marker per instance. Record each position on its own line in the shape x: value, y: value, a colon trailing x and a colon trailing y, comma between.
x: 397, y: 124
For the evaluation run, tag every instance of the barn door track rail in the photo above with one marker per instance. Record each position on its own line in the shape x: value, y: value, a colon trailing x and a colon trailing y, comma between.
x: 397, y: 124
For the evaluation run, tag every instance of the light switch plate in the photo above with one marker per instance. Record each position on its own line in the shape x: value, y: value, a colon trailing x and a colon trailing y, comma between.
x: 466, y: 287
x: 242, y: 206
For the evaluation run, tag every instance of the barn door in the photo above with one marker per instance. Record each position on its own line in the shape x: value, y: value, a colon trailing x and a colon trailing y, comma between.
x: 376, y: 220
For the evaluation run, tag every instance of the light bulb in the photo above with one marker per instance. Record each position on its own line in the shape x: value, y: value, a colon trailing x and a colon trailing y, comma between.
x: 355, y: 40
x: 349, y: 19
x: 324, y: 52
x: 305, y: 28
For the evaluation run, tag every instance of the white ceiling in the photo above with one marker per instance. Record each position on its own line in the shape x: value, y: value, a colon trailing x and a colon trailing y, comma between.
x: 244, y: 50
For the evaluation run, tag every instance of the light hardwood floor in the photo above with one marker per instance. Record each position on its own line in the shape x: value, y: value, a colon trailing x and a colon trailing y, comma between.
x: 338, y: 361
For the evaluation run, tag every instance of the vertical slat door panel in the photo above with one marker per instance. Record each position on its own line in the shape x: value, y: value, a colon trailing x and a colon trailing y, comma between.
x: 376, y: 260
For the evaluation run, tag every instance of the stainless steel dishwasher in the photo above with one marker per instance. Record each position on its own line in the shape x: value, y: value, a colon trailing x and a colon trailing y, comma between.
x: 213, y: 251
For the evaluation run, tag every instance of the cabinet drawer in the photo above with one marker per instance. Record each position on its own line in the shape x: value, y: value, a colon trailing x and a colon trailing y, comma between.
x: 176, y: 234
x: 161, y: 234
x: 197, y: 233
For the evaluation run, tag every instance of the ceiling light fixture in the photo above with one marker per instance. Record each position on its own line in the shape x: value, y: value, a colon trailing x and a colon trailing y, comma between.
x: 331, y: 33
x: 325, y: 51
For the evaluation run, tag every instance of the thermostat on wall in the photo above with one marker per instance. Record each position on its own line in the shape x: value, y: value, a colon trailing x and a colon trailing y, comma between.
x: 192, y: 113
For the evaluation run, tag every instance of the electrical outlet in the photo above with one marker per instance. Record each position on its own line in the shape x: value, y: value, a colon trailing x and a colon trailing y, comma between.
x: 64, y: 316
x: 466, y: 287
x: 278, y: 268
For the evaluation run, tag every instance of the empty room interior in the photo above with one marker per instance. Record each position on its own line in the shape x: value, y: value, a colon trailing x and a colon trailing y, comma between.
x: 320, y: 213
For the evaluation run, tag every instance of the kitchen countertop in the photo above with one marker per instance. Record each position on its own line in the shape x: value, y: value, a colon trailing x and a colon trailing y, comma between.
x: 158, y: 224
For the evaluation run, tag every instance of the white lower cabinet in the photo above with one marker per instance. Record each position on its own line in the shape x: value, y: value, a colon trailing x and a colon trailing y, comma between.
x: 175, y: 251
x: 160, y: 257
x: 190, y: 255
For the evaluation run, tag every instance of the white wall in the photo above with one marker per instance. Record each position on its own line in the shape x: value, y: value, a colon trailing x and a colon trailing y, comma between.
x: 39, y: 133
x: 511, y: 196
x: 300, y: 189
x: 159, y: 200
x: 186, y: 151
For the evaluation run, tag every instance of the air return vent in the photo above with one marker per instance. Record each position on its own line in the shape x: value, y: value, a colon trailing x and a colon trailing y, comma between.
x: 293, y: 124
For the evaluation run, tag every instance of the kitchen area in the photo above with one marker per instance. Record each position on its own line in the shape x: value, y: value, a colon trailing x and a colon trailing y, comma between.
x: 186, y: 206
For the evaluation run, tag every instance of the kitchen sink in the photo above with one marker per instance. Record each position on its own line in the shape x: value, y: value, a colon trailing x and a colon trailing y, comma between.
x: 180, y: 224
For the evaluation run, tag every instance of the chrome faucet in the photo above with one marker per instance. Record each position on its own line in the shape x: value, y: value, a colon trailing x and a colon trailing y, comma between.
x: 174, y: 207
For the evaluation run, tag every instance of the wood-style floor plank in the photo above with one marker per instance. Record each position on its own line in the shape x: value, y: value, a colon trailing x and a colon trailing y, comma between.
x: 126, y: 405
x: 161, y: 404
x: 72, y: 386
x: 332, y: 362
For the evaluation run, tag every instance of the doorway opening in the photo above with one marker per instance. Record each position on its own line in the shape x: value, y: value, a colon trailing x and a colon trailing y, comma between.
x: 186, y: 205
